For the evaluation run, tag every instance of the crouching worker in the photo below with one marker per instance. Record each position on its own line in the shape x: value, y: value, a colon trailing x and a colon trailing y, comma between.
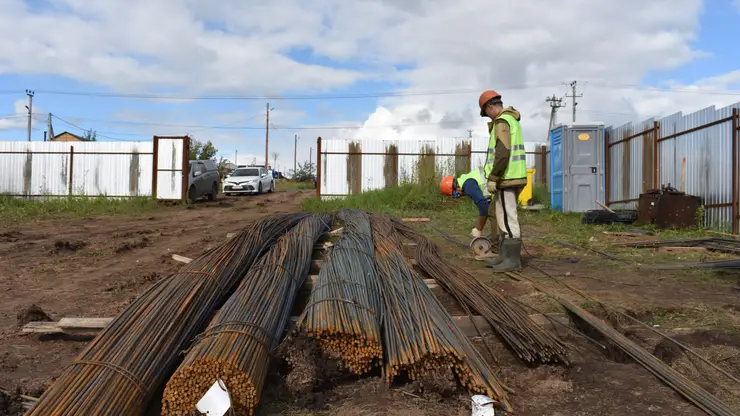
x: 473, y: 185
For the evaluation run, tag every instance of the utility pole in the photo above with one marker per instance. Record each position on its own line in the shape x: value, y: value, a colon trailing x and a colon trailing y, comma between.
x: 295, y: 153
x: 50, y: 128
x: 573, y: 86
x: 470, y: 133
x: 267, y: 135
x: 555, y: 104
x: 310, y: 156
x: 29, y: 93
x: 236, y: 154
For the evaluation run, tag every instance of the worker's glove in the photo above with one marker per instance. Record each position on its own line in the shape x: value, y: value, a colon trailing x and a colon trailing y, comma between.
x: 491, y: 186
x: 475, y: 233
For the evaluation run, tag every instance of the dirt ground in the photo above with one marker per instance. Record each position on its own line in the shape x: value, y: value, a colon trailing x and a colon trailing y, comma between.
x: 95, y: 267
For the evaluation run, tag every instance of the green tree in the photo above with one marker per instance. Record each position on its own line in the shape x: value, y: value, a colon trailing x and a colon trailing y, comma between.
x: 90, y: 136
x: 304, y: 173
x: 202, y: 151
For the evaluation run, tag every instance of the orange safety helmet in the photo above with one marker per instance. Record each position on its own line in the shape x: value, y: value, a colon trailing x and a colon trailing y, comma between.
x: 445, y: 186
x: 487, y: 96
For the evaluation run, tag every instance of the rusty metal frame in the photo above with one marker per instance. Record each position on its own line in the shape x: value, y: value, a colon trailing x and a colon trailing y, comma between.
x: 735, y: 190
x: 185, y: 164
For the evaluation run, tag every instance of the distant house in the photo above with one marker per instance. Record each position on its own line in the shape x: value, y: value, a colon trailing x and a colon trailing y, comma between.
x: 66, y: 136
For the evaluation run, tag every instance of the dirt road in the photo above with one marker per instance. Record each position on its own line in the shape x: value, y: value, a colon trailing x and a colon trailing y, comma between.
x: 95, y: 267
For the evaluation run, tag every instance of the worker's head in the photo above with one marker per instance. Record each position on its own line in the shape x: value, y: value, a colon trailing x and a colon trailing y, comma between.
x: 490, y: 104
x: 448, y: 186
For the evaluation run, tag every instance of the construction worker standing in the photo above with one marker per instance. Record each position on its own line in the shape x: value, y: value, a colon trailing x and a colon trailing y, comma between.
x: 506, y: 173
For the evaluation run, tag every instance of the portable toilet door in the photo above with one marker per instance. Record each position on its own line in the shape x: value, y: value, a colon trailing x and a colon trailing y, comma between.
x: 583, y: 167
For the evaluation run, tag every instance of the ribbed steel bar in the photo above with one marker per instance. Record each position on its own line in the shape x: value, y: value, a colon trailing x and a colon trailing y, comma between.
x: 343, y: 311
x: 420, y: 339
x: 530, y: 342
x: 121, y: 369
x: 236, y: 345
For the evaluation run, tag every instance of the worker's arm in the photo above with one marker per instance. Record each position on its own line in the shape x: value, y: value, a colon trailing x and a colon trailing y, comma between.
x: 472, y: 189
x: 503, y: 150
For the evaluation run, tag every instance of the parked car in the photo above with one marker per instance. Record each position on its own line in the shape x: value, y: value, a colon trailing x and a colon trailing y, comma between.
x: 203, y: 179
x: 249, y: 180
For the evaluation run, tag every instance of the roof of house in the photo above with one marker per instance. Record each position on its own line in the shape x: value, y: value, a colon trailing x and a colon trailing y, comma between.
x: 71, y: 134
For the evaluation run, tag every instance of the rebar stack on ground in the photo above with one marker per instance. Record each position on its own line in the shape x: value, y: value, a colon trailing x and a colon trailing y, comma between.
x: 119, y: 371
x: 343, y: 311
x: 236, y: 345
x: 419, y: 336
x: 530, y: 342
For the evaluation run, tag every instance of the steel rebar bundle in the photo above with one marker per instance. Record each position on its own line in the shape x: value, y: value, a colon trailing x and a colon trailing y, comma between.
x: 530, y: 342
x: 236, y: 345
x: 121, y: 369
x: 343, y: 311
x: 419, y: 336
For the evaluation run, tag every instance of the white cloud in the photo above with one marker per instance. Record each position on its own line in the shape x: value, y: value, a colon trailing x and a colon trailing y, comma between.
x: 19, y: 118
x: 235, y: 47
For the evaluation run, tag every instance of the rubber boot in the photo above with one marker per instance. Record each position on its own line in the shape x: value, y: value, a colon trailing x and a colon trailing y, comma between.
x: 500, y: 258
x: 511, y: 249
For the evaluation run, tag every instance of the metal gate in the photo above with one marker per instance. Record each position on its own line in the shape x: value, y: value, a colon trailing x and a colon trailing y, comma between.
x: 171, y: 163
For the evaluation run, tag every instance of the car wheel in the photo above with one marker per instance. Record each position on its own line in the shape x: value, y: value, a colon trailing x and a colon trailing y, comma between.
x: 259, y: 188
x: 214, y: 192
x: 272, y: 187
x: 191, y: 194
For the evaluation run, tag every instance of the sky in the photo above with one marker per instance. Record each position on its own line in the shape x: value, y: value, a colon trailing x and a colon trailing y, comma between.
x: 363, y: 69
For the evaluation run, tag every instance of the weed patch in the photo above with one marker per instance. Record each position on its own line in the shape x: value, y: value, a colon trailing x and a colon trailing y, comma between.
x: 18, y: 210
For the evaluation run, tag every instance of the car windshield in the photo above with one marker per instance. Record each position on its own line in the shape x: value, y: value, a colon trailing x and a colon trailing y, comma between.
x: 246, y: 172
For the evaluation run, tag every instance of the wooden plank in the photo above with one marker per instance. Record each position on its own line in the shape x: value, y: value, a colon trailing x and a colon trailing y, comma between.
x: 84, y: 323
x: 181, y: 259
x: 336, y: 232
x: 415, y: 219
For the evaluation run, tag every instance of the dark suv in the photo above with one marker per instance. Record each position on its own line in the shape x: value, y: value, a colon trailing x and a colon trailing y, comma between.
x: 203, y: 179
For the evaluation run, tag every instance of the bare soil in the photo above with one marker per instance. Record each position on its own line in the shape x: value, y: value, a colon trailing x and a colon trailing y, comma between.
x: 95, y: 267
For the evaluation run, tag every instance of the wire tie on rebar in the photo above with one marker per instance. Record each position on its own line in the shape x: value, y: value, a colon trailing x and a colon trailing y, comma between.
x: 342, y: 282
x: 339, y: 300
x: 139, y: 384
x: 261, y: 342
x: 215, y: 329
x: 293, y: 276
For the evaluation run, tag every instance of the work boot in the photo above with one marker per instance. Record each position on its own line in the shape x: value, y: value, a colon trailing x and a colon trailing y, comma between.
x: 500, y: 257
x: 511, y: 252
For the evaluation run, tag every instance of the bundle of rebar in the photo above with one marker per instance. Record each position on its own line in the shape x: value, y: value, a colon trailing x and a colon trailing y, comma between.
x: 121, y: 369
x: 236, y: 346
x: 343, y: 311
x: 420, y: 337
x: 530, y: 342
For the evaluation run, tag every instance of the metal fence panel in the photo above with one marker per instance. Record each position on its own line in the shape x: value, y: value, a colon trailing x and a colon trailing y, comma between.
x: 170, y: 167
x: 47, y: 169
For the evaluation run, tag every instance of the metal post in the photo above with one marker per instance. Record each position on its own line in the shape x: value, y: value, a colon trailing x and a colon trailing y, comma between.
x: 185, y: 166
x: 30, y: 111
x: 267, y: 134
x: 656, y: 171
x: 735, y: 190
x: 607, y: 174
x: 318, y: 167
x: 155, y: 167
x: 71, y: 169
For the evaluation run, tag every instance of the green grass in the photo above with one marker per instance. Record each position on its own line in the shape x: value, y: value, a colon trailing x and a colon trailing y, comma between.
x: 288, y: 185
x: 18, y: 210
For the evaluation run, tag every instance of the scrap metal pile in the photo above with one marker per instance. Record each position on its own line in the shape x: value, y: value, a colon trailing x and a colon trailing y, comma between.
x: 228, y: 311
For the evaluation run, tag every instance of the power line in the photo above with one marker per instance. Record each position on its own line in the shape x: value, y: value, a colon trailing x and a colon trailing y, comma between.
x: 601, y: 84
x: 573, y: 86
x: 86, y: 130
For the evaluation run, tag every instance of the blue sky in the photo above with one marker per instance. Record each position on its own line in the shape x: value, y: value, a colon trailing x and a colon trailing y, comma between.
x: 243, y: 120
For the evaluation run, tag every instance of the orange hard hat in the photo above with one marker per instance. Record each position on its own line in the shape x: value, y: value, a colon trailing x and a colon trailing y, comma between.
x: 487, y: 96
x: 445, y: 186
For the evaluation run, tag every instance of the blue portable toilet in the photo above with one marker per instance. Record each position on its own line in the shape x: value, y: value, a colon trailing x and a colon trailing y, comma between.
x: 577, y: 157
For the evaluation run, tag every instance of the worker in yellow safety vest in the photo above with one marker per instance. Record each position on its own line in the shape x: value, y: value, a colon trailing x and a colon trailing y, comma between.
x: 472, y: 184
x: 505, y: 171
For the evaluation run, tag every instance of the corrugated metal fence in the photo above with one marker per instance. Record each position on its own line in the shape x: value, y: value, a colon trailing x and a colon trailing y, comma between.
x: 347, y: 167
x: 696, y: 153
x: 115, y: 170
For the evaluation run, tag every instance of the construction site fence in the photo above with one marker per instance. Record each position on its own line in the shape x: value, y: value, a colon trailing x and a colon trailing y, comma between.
x: 348, y: 167
x: 93, y: 169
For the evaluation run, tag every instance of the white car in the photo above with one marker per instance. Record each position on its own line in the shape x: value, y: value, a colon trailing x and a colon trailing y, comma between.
x: 249, y: 180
